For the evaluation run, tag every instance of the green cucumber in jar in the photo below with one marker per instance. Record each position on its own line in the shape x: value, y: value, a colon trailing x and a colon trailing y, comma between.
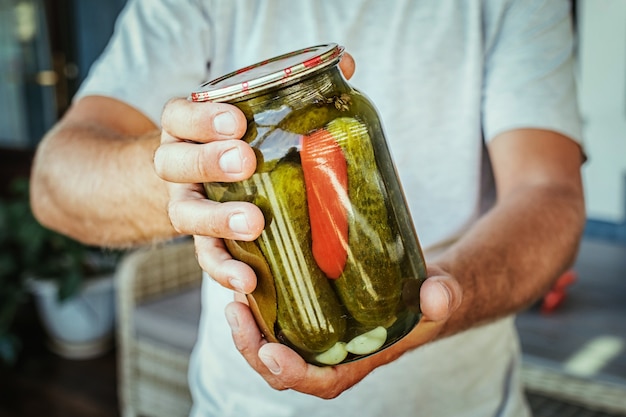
x: 309, y: 316
x: 309, y: 118
x: 370, y: 286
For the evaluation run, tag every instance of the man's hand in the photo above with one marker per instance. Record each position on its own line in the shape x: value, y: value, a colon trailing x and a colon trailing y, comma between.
x: 283, y: 369
x: 200, y: 142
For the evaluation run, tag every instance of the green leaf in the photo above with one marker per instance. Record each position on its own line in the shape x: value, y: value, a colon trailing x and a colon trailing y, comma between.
x: 70, y: 285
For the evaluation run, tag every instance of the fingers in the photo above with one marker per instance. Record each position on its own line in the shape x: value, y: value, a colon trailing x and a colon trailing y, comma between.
x: 440, y: 296
x: 246, y: 335
x: 208, y: 221
x: 215, y: 259
x: 347, y: 65
x: 200, y: 216
x: 201, y: 122
x: 280, y: 366
x: 200, y: 143
x: 183, y: 162
x: 217, y: 154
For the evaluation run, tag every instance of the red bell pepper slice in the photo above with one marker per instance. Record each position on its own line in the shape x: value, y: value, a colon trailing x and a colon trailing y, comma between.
x: 326, y: 182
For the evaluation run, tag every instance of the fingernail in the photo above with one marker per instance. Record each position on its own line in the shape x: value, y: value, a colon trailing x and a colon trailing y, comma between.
x: 230, y: 161
x: 446, y: 291
x: 231, y: 318
x: 236, y: 284
x: 224, y: 123
x: 238, y: 223
x: 271, y: 364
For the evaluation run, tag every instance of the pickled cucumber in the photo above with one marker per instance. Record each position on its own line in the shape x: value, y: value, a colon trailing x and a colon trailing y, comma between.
x: 309, y: 315
x: 370, y: 286
x: 309, y: 118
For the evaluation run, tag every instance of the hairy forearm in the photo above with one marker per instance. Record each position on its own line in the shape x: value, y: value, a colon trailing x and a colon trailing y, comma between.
x: 99, y: 186
x: 512, y: 255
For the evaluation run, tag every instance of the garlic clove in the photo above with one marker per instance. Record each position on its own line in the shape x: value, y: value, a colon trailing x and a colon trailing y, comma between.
x: 334, y: 355
x: 368, y: 342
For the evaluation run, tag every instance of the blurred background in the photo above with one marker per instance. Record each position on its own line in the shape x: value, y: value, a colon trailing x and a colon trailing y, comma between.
x: 574, y: 341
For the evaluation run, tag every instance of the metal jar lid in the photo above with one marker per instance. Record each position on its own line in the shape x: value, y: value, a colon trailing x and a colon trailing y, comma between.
x: 281, y: 70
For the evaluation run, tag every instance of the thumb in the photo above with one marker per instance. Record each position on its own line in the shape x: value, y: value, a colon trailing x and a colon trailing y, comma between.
x: 440, y: 296
x: 347, y: 65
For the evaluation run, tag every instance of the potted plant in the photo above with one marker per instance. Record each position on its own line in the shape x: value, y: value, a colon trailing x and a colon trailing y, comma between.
x: 72, y: 283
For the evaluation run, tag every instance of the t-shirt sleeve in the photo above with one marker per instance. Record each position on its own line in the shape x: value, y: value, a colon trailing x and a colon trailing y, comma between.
x: 530, y: 72
x: 159, y: 50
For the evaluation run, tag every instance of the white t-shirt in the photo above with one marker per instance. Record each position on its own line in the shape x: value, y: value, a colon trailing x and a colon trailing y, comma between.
x: 444, y: 75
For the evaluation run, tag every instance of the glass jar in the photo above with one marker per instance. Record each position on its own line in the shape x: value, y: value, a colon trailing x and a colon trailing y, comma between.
x: 339, y: 265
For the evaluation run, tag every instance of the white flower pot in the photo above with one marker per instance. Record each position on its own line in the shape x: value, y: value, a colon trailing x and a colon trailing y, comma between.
x: 80, y: 327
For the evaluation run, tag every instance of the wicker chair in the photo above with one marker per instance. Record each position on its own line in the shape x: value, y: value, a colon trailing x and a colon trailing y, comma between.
x: 158, y: 304
x: 594, y: 394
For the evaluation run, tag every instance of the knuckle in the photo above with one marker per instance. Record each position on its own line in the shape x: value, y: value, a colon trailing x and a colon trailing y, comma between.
x: 159, y: 163
x: 197, y: 119
x: 173, y: 211
x: 207, y: 250
x: 203, y: 162
x: 166, y: 114
x: 277, y: 386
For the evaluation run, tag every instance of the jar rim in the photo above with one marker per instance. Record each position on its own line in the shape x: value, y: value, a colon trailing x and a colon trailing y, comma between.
x: 278, y: 71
